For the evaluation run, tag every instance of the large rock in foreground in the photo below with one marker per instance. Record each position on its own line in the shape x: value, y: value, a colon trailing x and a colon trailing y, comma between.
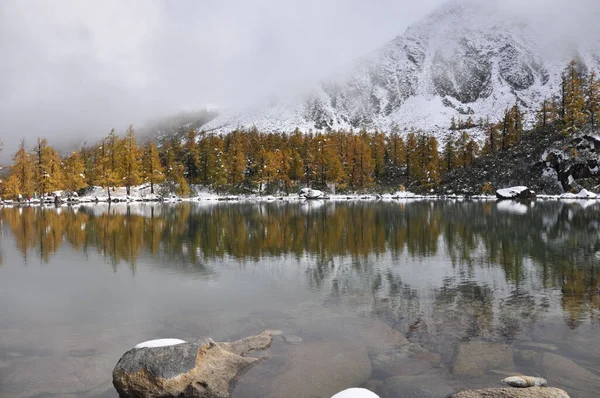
x: 201, y: 369
x: 515, y: 193
x: 533, y: 392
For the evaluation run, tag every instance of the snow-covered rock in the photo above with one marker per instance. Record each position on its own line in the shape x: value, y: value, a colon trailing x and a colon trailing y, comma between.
x: 355, y: 393
x: 309, y: 193
x: 585, y: 194
x: 520, y: 192
x: 404, y: 195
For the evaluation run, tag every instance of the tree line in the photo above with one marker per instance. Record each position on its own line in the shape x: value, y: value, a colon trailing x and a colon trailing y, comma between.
x: 246, y: 161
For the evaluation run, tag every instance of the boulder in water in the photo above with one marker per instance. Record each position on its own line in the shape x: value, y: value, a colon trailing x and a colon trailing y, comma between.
x: 170, y: 368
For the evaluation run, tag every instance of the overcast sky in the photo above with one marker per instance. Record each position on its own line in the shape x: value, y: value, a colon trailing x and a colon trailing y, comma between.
x: 76, y: 68
x: 72, y: 69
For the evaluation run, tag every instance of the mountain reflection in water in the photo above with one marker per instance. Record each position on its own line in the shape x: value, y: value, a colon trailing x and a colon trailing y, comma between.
x: 440, y: 272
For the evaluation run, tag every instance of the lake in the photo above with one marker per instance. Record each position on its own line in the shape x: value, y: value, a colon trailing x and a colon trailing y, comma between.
x: 408, y: 298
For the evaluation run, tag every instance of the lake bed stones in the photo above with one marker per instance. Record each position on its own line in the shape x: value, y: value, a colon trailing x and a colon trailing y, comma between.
x: 533, y: 392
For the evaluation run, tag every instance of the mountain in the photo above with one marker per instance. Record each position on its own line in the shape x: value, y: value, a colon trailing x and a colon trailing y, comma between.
x: 467, y: 58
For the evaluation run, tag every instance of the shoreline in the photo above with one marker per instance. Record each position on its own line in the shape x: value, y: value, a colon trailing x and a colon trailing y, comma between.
x: 215, y: 198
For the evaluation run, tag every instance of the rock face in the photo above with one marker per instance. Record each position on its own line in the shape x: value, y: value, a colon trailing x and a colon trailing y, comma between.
x: 534, y: 392
x: 468, y: 58
x: 515, y: 193
x: 477, y: 357
x: 202, y: 369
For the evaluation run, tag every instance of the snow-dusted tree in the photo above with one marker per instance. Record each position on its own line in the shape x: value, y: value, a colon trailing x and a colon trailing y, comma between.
x: 74, y: 172
x: 592, y: 99
x: 130, y: 160
x: 105, y: 173
x: 22, y: 171
x: 152, y: 170
x: 573, y: 98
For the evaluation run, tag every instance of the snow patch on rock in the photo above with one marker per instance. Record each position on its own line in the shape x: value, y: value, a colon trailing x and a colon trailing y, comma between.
x: 159, y: 343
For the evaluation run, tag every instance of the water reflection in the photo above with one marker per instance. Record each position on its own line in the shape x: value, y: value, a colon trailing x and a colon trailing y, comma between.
x: 350, y: 242
x: 441, y: 274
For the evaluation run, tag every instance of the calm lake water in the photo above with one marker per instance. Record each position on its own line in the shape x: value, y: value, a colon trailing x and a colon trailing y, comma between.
x: 411, y: 299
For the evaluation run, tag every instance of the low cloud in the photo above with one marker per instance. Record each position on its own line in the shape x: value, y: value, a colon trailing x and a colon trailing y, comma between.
x: 72, y: 69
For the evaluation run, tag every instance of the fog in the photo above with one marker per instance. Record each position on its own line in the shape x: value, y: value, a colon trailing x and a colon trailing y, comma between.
x: 72, y: 69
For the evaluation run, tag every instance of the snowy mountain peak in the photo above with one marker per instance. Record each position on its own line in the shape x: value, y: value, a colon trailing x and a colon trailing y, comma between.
x: 467, y: 59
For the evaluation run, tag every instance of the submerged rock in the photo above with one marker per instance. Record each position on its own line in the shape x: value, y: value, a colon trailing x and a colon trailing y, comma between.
x: 203, y: 369
x: 432, y: 385
x: 308, y: 370
x: 477, y: 357
x: 533, y: 392
x: 525, y: 381
x: 568, y: 374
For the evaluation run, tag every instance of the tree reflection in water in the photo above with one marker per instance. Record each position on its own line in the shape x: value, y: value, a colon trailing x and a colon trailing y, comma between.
x: 370, y: 253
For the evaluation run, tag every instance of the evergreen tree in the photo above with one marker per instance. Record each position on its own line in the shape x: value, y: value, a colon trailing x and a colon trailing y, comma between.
x: 74, y: 172
x: 236, y: 161
x: 592, y: 100
x: 22, y: 171
x: 573, y: 112
x: 191, y: 156
x: 449, y: 157
x: 105, y: 174
x: 411, y: 158
x: 395, y: 157
x: 130, y: 160
x: 152, y: 170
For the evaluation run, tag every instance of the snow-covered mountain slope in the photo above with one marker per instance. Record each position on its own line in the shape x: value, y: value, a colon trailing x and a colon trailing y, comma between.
x: 466, y: 59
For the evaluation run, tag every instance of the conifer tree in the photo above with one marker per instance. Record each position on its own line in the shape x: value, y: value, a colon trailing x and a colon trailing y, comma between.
x: 296, y: 164
x: 22, y: 171
x: 105, y: 174
x: 130, y: 160
x: 573, y: 112
x: 449, y: 158
x: 592, y: 100
x: 395, y: 156
x: 191, y: 156
x: 74, y: 172
x: 152, y: 170
x: 378, y: 151
x: 236, y: 158
x: 547, y: 115
x: 411, y: 158
x: 432, y: 165
x: 215, y: 167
